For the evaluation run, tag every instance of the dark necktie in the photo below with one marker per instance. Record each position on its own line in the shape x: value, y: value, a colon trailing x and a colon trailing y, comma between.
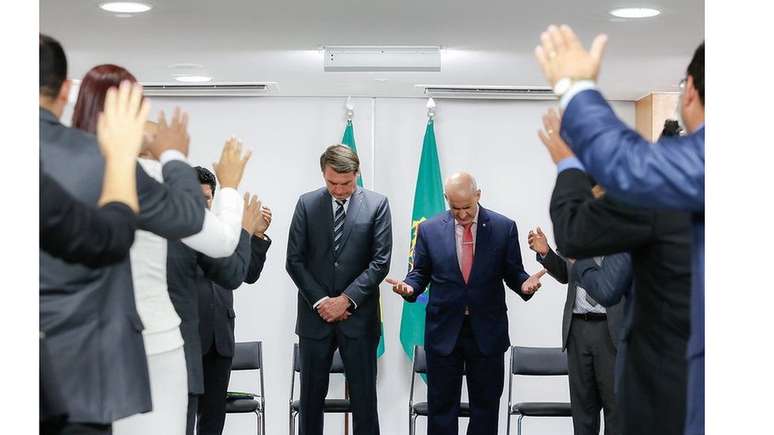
x: 338, y: 225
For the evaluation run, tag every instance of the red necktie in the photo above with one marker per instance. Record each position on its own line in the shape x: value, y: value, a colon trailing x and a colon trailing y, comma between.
x: 467, y: 252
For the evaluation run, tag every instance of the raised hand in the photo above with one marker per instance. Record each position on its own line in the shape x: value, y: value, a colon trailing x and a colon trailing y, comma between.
x: 561, y: 55
x: 400, y: 287
x: 263, y: 222
x: 120, y: 125
x: 173, y: 136
x: 554, y: 143
x: 532, y: 284
x: 251, y: 213
x: 231, y: 166
x: 537, y: 241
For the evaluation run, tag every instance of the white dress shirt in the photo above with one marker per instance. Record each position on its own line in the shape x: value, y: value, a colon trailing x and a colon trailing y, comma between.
x: 149, y: 261
x: 459, y: 234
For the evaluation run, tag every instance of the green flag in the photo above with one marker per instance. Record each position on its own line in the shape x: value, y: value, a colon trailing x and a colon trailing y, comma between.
x: 428, y: 201
x: 349, y: 140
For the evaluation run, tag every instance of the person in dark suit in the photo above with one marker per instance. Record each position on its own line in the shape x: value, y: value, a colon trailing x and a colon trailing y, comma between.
x: 216, y: 314
x: 590, y: 334
x: 88, y: 354
x: 652, y: 394
x: 666, y: 174
x: 95, y: 237
x: 339, y: 250
x: 465, y: 254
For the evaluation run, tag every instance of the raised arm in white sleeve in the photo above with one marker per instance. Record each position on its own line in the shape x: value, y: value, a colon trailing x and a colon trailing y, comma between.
x: 222, y: 226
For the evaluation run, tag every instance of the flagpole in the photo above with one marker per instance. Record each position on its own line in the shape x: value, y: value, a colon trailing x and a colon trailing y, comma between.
x: 350, y: 112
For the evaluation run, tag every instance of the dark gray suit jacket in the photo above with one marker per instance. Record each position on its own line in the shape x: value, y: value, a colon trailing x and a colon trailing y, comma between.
x: 216, y: 301
x: 187, y: 270
x: 93, y: 331
x: 559, y: 268
x: 360, y: 266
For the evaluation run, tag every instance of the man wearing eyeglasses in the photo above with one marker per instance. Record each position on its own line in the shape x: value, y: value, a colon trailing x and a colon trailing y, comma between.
x: 667, y: 174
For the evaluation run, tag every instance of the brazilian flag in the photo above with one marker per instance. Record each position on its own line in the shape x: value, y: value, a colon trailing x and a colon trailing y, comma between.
x: 428, y: 201
x: 349, y: 140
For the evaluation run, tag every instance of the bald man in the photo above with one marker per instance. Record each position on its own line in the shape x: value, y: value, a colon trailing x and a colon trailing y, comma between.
x: 465, y: 254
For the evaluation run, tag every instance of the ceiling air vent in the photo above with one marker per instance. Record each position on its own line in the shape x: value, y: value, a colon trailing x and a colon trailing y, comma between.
x: 490, y: 92
x: 209, y: 89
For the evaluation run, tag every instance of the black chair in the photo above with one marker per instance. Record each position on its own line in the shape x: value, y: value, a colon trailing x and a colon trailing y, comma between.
x: 249, y: 356
x: 331, y: 406
x: 536, y: 361
x: 421, y: 409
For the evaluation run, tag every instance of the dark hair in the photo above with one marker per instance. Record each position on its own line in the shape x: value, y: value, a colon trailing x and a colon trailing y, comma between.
x: 53, y: 66
x: 671, y: 128
x: 206, y: 177
x: 340, y: 158
x: 91, y: 96
x: 696, y: 70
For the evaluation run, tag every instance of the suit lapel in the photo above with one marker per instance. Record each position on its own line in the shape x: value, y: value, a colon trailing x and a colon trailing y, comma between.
x: 451, y: 243
x: 326, y: 213
x: 483, y: 231
x: 355, y: 205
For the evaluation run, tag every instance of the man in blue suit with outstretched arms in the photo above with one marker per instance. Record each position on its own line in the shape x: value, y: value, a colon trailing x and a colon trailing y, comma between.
x: 466, y: 254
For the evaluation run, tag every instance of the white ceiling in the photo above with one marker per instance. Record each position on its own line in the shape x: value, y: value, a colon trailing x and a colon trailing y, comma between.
x: 486, y: 42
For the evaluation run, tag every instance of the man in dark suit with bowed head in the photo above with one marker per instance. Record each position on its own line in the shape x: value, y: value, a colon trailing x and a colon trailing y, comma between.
x: 465, y: 254
x: 339, y: 250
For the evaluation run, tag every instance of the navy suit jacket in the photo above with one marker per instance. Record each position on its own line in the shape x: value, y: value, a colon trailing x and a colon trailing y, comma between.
x: 497, y: 258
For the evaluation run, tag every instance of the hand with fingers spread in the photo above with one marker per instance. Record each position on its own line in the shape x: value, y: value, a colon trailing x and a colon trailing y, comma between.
x: 538, y: 241
x: 532, y: 284
x: 400, y: 287
x: 334, y: 309
x: 556, y: 146
x: 120, y: 125
x: 231, y: 166
x: 172, y: 136
x: 561, y: 55
x: 251, y: 213
x: 119, y: 132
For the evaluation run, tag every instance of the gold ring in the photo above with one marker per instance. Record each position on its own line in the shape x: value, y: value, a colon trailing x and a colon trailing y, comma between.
x: 550, y: 132
x: 551, y: 54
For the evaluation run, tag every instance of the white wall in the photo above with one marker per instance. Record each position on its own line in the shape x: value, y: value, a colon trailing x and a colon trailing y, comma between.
x: 495, y: 140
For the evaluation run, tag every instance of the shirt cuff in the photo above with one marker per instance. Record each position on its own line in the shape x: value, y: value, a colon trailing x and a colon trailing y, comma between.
x: 569, y: 163
x: 574, y: 90
x: 351, y: 300
x: 169, y: 155
x: 316, y: 304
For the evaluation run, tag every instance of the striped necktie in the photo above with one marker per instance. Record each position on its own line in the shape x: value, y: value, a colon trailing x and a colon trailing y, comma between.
x: 338, y: 225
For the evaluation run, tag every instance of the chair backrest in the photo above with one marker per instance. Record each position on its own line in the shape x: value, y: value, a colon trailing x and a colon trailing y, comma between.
x: 538, y: 361
x: 337, y: 365
x: 420, y: 360
x: 247, y: 356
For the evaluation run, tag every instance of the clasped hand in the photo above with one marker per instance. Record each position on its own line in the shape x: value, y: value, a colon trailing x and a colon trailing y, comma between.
x: 334, y: 309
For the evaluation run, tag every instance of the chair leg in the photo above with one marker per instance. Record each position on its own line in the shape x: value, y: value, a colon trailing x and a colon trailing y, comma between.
x: 412, y: 424
x: 292, y: 423
x: 518, y: 425
x: 508, y: 423
x: 263, y: 421
x: 258, y: 422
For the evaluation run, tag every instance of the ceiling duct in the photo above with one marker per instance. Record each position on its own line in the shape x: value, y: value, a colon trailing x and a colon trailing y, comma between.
x: 489, y: 92
x: 247, y: 89
x: 365, y: 58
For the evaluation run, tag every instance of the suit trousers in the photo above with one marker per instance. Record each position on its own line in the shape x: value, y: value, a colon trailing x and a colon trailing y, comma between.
x: 485, y: 377
x: 193, y: 404
x: 359, y: 357
x: 86, y: 429
x: 591, y: 359
x: 211, y: 413
x: 169, y: 392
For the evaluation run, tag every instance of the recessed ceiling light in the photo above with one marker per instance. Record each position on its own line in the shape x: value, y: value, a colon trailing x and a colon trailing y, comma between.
x: 635, y: 12
x: 125, y: 7
x: 193, y: 79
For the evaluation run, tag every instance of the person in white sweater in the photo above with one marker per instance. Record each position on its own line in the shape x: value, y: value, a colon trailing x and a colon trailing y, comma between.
x: 163, y: 341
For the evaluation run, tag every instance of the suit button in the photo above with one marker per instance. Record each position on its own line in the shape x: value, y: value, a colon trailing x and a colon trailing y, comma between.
x: 336, y: 264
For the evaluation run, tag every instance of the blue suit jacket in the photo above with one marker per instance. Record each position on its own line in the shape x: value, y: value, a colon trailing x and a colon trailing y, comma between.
x: 497, y: 259
x: 666, y: 174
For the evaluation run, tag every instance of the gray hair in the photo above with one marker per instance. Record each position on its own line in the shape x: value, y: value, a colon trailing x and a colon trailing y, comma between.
x: 340, y: 158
